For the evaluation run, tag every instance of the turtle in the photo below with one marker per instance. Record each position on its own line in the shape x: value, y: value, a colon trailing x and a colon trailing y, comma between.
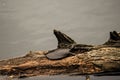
x: 114, y: 39
x: 58, y: 54
x: 66, y: 47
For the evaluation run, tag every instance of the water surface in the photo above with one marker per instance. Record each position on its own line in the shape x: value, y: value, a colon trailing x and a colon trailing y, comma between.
x: 64, y: 77
x: 27, y: 24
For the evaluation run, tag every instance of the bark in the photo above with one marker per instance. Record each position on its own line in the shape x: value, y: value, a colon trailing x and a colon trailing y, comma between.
x: 88, y: 59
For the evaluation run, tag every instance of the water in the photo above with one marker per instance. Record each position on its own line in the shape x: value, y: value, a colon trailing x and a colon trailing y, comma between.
x: 27, y: 24
x: 64, y: 77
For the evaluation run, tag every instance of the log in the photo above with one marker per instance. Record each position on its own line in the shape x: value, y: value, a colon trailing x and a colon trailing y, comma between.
x: 86, y: 60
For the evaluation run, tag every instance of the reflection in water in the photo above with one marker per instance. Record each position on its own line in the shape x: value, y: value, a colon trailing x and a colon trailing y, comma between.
x: 65, y: 77
x: 87, y: 77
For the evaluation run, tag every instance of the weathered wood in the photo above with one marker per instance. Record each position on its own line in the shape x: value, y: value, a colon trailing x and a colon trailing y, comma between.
x: 86, y: 59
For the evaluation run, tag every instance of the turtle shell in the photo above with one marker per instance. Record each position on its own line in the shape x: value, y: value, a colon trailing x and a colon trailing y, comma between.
x: 58, y: 54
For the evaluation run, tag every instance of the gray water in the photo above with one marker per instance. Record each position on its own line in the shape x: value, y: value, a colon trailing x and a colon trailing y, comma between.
x: 28, y: 24
x: 64, y: 77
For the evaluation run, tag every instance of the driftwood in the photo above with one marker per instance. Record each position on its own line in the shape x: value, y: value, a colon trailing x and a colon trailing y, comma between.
x: 84, y: 60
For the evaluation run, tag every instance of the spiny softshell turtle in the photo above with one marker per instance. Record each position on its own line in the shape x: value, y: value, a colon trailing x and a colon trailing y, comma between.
x: 66, y: 47
x: 58, y: 54
x: 63, y: 48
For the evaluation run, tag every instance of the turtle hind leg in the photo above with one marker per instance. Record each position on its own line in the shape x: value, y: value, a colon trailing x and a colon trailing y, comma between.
x: 64, y: 41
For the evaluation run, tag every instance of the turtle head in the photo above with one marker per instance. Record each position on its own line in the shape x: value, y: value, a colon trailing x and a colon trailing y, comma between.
x: 64, y: 41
